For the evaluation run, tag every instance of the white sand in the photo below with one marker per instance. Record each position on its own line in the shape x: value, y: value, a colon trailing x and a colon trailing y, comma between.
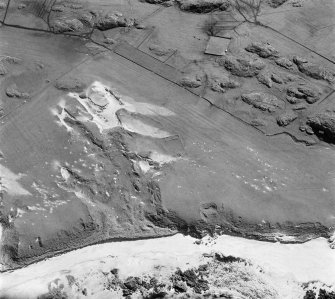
x: 9, y: 182
x: 137, y: 126
x: 285, y: 263
x: 102, y: 105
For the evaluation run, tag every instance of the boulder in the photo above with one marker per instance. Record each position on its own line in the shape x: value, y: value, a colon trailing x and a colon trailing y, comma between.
x: 263, y: 101
x: 264, y: 50
x: 313, y: 70
x: 286, y: 118
x: 243, y: 66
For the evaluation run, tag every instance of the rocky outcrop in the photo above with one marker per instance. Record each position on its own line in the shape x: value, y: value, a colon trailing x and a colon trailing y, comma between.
x: 277, y: 79
x: 159, y: 50
x: 222, y: 84
x: 13, y: 92
x: 110, y: 21
x: 263, y: 101
x: 3, y: 69
x: 323, y: 124
x: 264, y: 50
x: 243, y: 66
x: 265, y: 78
x: 308, y: 93
x: 286, y: 118
x: 276, y: 3
x: 156, y: 1
x: 191, y: 81
x: 313, y: 70
x: 67, y: 25
x: 284, y: 62
x: 69, y: 84
x: 203, y: 6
